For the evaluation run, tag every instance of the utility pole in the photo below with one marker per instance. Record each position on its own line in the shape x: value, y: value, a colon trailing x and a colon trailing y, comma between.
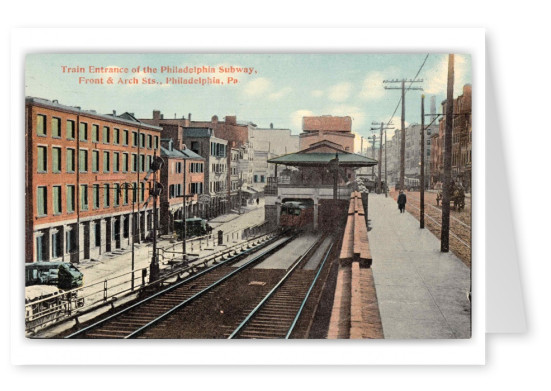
x: 184, y: 214
x: 155, y: 190
x: 445, y: 234
x: 373, y: 157
x: 403, y: 120
x: 422, y: 190
x: 383, y: 127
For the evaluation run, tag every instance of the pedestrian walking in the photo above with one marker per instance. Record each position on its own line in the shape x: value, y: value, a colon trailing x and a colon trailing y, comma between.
x: 402, y: 201
x: 257, y: 200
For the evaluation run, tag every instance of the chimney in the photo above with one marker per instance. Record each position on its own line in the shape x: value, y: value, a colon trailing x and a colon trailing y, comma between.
x: 231, y: 119
x: 184, y: 147
x: 271, y: 125
x: 214, y: 119
x: 114, y: 113
x: 162, y: 116
x: 157, y: 114
x: 55, y: 101
x: 189, y: 117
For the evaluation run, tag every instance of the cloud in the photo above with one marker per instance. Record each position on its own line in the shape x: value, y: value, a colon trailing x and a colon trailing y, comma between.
x: 296, y: 118
x: 437, y: 80
x: 372, y: 87
x: 340, y: 92
x: 257, y: 87
x: 280, y: 94
x: 317, y: 93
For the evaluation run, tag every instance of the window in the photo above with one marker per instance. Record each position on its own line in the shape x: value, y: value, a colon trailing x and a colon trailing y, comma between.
x: 69, y: 238
x: 41, y: 125
x: 42, y: 159
x: 156, y: 142
x: 125, y: 195
x: 106, y: 163
x: 142, y: 192
x: 125, y: 162
x: 70, y: 129
x: 83, y: 131
x: 95, y: 161
x: 134, y: 162
x: 149, y: 160
x: 56, y: 127
x: 134, y: 139
x: 116, y: 161
x: 125, y: 137
x: 56, y: 159
x: 70, y: 160
x: 56, y: 195
x: 106, y: 196
x: 70, y: 198
x: 39, y: 250
x: 142, y: 163
x: 106, y: 135
x: 57, y: 247
x: 42, y: 200
x: 117, y: 194
x: 116, y: 136
x: 149, y: 141
x: 83, y: 197
x: 142, y: 140
x: 196, y: 188
x: 97, y: 234
x: 95, y: 196
x: 262, y: 179
x: 95, y: 133
x: 83, y: 160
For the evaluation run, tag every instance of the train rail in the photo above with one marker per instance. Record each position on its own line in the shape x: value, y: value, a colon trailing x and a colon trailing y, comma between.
x: 460, y: 233
x: 136, y: 319
x: 277, y: 314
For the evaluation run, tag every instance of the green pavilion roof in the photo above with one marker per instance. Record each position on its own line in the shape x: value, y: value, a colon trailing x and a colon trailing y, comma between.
x: 323, y: 158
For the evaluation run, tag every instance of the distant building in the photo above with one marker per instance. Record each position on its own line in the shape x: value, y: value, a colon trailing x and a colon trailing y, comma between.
x: 81, y: 169
x: 327, y: 127
x: 269, y: 143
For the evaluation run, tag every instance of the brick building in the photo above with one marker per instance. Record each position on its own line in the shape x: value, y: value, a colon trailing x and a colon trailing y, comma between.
x: 174, y: 181
x: 78, y: 164
x: 327, y: 127
x: 461, y: 142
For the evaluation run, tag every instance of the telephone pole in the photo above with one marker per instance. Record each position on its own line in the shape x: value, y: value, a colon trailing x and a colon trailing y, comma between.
x: 383, y: 127
x: 445, y: 233
x: 373, y: 157
x: 403, y: 120
x: 422, y: 168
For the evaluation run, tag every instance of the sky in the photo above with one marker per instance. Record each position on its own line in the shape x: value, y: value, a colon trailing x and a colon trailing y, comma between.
x: 269, y: 88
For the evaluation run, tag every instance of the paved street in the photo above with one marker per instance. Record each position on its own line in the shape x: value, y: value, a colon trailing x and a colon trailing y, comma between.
x: 118, y: 263
x: 422, y: 293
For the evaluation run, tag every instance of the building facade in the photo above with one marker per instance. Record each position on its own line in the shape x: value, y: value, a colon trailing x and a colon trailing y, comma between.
x: 84, y: 175
x: 182, y: 176
x: 461, y: 142
x: 327, y: 127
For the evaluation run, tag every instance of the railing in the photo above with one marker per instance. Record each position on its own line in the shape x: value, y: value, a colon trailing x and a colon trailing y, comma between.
x: 64, y: 305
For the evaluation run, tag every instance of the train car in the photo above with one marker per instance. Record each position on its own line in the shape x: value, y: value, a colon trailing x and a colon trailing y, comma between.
x: 194, y: 227
x: 296, y: 215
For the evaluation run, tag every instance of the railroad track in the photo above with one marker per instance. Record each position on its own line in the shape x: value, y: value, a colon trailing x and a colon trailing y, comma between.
x: 140, y: 317
x: 277, y: 314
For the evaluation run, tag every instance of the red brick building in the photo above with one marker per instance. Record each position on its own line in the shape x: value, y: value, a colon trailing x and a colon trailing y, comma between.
x: 178, y: 162
x: 78, y: 164
x: 338, y: 130
x: 461, y: 142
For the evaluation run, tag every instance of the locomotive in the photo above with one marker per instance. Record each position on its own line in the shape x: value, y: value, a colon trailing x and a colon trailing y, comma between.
x: 296, y: 215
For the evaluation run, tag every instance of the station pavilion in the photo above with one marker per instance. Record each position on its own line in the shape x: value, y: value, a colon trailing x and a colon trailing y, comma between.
x: 322, y: 172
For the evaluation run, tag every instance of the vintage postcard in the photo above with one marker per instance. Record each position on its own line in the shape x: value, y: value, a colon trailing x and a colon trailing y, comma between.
x: 248, y: 196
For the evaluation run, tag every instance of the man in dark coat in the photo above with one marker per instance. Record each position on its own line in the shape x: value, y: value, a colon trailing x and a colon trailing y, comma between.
x: 401, y: 201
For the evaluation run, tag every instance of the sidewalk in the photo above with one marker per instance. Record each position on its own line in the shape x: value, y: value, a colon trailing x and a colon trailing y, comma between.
x: 422, y: 292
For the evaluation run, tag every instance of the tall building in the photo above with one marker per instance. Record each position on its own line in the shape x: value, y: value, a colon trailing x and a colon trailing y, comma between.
x: 461, y: 142
x: 80, y: 174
